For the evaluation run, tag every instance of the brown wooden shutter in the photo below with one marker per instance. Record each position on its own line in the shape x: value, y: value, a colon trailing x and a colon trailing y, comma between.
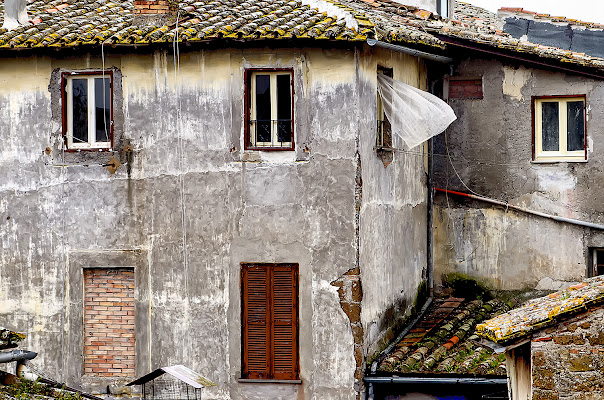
x: 270, y: 321
x: 256, y: 316
x: 285, y: 321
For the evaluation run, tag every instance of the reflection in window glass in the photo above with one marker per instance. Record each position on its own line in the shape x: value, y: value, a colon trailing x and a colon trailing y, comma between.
x: 102, y: 91
x: 284, y: 109
x: 263, y: 108
x: 550, y: 126
x: 80, y: 110
x: 575, y: 126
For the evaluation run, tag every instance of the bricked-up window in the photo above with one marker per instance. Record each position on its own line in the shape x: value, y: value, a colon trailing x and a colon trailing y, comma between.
x: 461, y: 88
x: 559, y: 128
x: 109, y: 321
x: 269, y: 321
x: 87, y: 110
x: 269, y: 110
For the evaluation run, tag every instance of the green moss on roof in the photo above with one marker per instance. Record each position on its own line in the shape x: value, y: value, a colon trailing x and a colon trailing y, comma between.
x: 68, y: 23
x: 538, y: 313
x: 442, y: 342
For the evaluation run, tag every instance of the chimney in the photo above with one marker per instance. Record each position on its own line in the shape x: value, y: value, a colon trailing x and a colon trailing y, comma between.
x: 15, y: 14
x: 151, y: 7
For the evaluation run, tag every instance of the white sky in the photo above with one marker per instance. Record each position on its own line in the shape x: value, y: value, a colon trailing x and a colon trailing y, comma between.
x: 584, y: 10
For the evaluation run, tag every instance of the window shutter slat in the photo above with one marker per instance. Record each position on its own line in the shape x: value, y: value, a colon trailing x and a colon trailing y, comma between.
x: 285, y: 320
x: 256, y: 329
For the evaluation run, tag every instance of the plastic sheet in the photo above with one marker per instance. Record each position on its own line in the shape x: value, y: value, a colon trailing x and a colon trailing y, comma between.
x: 415, y: 115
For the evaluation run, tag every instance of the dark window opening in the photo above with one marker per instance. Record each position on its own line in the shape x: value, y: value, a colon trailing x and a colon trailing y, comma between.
x: 87, y: 110
x: 597, y: 262
x: 269, y: 97
x: 384, y: 128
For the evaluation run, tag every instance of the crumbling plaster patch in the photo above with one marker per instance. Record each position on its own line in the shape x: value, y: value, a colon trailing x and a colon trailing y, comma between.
x: 514, y: 80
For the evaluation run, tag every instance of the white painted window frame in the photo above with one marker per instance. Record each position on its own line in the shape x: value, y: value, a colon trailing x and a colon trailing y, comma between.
x: 275, y: 144
x: 562, y: 155
x: 91, y: 144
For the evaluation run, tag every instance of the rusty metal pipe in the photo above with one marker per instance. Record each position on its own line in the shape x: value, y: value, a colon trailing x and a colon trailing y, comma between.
x: 524, y: 210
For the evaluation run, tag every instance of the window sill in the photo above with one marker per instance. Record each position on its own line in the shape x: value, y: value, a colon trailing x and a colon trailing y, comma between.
x: 558, y: 161
x: 287, y: 381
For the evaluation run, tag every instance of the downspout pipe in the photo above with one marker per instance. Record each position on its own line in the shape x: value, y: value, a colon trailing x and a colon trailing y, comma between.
x: 410, y: 51
x: 524, y: 210
x: 17, y: 355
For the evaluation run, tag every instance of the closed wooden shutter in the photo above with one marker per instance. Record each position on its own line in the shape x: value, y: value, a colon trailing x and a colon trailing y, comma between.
x: 270, y: 321
x: 285, y: 322
x: 256, y: 329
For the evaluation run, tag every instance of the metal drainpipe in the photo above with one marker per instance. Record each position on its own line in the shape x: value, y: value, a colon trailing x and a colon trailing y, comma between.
x: 17, y: 355
x: 524, y: 210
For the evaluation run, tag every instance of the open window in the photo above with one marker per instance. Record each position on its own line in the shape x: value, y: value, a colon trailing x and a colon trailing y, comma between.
x: 384, y: 128
x: 596, y: 266
x: 87, y: 110
x: 559, y: 129
x: 269, y: 300
x: 269, y: 110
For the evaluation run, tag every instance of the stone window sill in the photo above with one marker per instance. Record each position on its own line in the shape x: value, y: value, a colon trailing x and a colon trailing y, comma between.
x: 293, y: 381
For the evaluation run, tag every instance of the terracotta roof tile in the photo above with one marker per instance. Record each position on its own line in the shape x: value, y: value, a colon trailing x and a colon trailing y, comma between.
x: 543, y: 311
x: 446, y: 346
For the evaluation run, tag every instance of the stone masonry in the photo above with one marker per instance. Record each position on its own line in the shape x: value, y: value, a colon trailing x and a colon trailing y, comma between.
x: 568, y: 359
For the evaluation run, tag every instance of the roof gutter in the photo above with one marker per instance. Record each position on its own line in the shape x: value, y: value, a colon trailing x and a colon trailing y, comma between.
x: 410, y: 51
x: 524, y: 210
x: 458, y: 43
x: 434, y: 381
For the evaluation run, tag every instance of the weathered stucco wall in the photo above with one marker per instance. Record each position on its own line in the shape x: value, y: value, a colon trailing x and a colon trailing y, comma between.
x: 187, y: 206
x: 393, y: 212
x: 490, y: 149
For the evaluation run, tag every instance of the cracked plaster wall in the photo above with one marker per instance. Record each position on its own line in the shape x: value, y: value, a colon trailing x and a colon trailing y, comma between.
x: 392, y: 216
x: 194, y: 206
x: 490, y: 148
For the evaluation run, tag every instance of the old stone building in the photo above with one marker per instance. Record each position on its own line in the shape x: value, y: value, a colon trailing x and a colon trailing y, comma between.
x: 526, y: 143
x: 554, y: 345
x: 198, y: 183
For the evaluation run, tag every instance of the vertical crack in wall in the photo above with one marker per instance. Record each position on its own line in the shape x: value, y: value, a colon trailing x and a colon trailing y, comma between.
x: 350, y: 289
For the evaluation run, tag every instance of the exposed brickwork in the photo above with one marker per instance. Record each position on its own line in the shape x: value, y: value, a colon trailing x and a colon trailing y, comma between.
x: 151, y: 7
x: 568, y: 360
x: 351, y: 295
x: 109, y: 322
x: 465, y: 89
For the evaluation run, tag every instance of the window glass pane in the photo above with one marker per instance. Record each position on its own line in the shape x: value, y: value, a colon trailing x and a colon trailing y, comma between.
x: 550, y: 126
x: 575, y: 126
x: 284, y: 109
x: 102, y: 101
x: 80, y: 110
x: 263, y: 108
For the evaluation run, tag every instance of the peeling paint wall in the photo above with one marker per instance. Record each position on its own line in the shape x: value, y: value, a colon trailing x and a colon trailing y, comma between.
x: 490, y: 151
x: 393, y: 224
x: 189, y: 205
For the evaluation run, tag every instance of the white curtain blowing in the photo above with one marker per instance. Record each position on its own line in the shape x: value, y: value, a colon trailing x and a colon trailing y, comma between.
x: 415, y: 115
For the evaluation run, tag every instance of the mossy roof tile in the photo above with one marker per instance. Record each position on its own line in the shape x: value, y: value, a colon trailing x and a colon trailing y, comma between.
x: 442, y: 342
x: 544, y: 311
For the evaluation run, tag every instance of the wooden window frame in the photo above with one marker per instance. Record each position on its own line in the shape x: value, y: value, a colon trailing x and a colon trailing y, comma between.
x: 269, y: 373
x: 560, y: 155
x: 249, y: 107
x: 93, y: 145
